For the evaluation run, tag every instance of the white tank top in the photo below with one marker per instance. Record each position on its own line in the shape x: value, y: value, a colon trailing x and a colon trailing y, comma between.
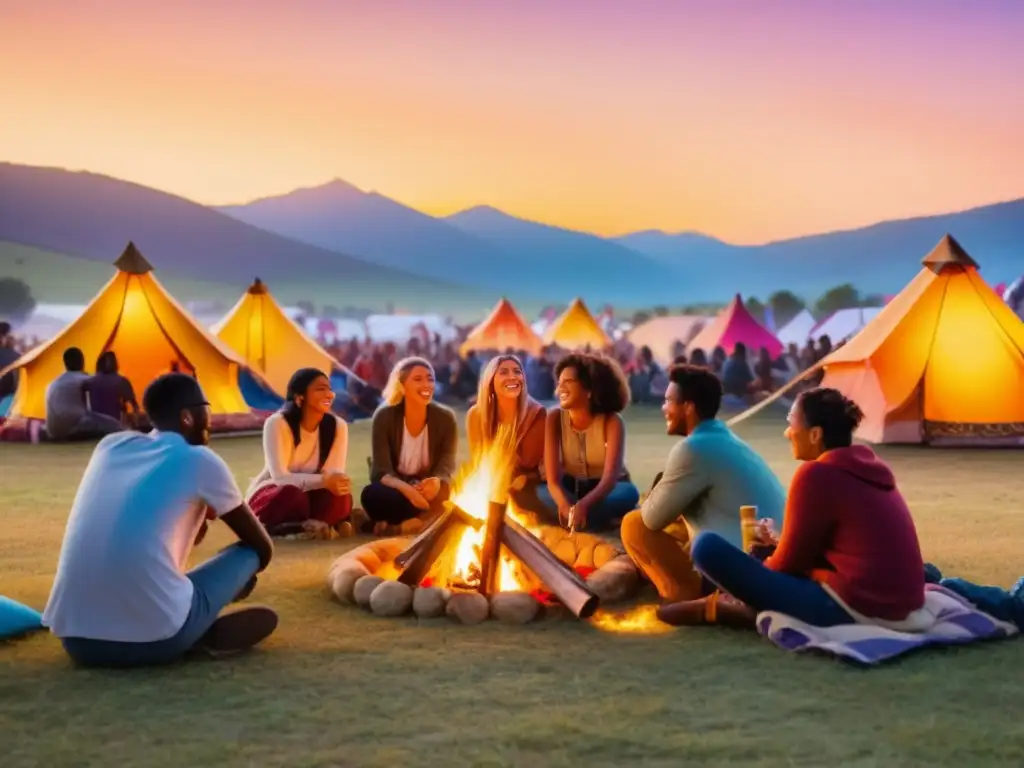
x: 415, y: 454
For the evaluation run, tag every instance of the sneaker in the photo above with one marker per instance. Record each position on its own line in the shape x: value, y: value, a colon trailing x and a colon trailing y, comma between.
x: 238, y: 631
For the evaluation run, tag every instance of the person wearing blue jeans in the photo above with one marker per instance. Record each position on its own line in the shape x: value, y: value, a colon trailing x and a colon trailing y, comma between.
x: 121, y: 596
x: 585, y: 443
x: 619, y: 502
x: 748, y: 580
x: 223, y: 579
x: 848, y: 548
x: 1002, y: 604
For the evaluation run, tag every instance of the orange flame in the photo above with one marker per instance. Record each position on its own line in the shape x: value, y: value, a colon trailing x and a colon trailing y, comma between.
x: 486, y: 478
x: 638, y: 621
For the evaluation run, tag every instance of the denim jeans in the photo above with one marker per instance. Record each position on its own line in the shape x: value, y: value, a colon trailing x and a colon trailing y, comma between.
x: 995, y: 601
x: 216, y: 583
x: 620, y: 501
x: 748, y: 580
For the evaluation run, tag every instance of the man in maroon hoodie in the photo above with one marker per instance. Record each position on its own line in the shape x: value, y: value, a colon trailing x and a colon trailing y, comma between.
x: 848, y: 541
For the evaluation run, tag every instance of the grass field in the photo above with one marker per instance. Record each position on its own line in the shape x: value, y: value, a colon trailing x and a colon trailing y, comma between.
x: 336, y: 686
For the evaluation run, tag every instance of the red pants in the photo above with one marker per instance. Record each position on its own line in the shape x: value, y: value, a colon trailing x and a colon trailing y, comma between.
x: 276, y: 505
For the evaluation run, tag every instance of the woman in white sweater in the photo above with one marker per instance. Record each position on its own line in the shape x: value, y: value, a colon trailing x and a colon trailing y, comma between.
x: 303, y: 485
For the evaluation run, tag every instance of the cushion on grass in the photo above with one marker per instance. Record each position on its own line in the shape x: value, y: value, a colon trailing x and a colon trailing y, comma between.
x: 17, y: 619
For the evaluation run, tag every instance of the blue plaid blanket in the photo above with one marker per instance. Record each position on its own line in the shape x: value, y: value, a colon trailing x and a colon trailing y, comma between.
x: 956, y: 622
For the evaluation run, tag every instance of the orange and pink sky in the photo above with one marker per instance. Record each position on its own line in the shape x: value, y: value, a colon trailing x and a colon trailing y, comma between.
x: 748, y: 120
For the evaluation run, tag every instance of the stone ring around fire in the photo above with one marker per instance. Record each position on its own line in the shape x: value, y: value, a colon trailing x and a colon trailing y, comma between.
x: 367, y: 576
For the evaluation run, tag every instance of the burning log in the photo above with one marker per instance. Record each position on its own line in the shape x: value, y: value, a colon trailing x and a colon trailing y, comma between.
x: 428, y: 534
x: 563, y: 581
x: 490, y: 552
x: 418, y: 558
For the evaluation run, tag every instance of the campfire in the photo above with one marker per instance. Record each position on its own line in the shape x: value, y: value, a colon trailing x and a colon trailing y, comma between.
x: 483, y: 557
x: 481, y: 544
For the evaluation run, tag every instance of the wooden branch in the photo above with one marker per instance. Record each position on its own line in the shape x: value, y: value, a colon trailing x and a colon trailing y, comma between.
x: 563, y: 582
x: 490, y: 551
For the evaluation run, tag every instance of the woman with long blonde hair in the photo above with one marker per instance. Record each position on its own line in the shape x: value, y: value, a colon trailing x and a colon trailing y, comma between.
x: 414, y: 444
x: 503, y: 403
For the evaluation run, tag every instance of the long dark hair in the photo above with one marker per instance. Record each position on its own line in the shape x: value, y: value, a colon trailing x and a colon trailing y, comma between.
x: 291, y: 411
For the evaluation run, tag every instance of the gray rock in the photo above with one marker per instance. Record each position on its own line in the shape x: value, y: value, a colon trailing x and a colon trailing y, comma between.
x: 468, y: 607
x: 514, y: 607
x: 391, y: 598
x: 429, y: 602
x: 363, y: 588
x: 344, y: 581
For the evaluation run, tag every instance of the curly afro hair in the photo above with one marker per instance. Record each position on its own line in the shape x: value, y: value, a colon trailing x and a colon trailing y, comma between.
x: 602, y: 377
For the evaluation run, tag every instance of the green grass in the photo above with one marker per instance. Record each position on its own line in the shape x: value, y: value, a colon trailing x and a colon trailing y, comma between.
x: 335, y: 686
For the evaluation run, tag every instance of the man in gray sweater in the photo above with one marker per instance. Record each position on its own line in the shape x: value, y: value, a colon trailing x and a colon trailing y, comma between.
x: 709, y: 475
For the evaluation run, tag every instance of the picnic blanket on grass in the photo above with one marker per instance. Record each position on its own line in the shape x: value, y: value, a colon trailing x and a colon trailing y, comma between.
x: 956, y: 622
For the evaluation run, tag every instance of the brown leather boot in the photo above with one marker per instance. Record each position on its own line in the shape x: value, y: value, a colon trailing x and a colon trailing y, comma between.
x: 716, y: 608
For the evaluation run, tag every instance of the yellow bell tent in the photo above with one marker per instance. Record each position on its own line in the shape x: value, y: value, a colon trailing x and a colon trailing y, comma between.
x: 270, y: 342
x: 576, y: 328
x: 503, y: 329
x: 942, y: 363
x: 148, y: 331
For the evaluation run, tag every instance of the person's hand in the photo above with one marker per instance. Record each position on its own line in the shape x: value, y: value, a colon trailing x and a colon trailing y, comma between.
x: 564, y: 507
x: 415, y: 498
x: 579, y: 516
x: 429, y: 488
x: 764, y: 532
x: 201, y: 534
x: 338, y: 483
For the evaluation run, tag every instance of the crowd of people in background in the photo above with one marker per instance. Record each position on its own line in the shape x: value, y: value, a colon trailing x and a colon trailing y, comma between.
x: 746, y: 376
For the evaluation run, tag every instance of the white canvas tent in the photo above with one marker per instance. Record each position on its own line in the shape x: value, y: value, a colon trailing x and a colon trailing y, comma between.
x: 798, y: 329
x: 845, y: 323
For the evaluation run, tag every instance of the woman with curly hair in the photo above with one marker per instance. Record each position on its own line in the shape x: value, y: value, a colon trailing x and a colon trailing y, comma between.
x: 584, y: 445
x: 503, y: 401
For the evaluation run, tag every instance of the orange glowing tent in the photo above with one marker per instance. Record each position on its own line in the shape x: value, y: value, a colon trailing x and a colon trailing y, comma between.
x: 576, y: 328
x: 259, y: 331
x: 941, y: 364
x: 134, y: 316
x: 503, y: 329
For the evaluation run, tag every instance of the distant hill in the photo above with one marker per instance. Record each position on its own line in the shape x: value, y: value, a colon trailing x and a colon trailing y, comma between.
x: 339, y: 216
x: 92, y: 216
x: 880, y: 258
x: 600, y: 270
x: 482, y: 247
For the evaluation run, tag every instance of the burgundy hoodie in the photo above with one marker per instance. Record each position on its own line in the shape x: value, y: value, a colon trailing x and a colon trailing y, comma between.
x: 847, y: 526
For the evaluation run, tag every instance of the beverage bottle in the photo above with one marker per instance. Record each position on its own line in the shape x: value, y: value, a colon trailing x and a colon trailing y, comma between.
x: 748, y: 527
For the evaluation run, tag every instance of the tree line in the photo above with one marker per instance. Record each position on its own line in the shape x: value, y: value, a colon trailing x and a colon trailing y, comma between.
x: 785, y: 305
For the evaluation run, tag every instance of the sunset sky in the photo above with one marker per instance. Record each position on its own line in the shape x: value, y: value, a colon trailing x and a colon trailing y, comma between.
x: 750, y: 121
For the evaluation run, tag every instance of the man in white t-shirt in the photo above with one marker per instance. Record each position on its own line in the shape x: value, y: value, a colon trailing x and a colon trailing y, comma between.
x: 121, y: 596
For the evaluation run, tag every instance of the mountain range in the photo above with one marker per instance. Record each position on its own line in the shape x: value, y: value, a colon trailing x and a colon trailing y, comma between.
x: 481, y: 247
x: 91, y: 216
x: 495, y: 250
x: 365, y: 249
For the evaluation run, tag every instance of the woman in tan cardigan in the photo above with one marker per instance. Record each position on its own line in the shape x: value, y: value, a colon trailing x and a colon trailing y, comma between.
x: 502, y: 401
x: 414, y: 445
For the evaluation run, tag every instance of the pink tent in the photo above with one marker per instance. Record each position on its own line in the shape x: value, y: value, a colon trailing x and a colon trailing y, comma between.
x: 735, y: 324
